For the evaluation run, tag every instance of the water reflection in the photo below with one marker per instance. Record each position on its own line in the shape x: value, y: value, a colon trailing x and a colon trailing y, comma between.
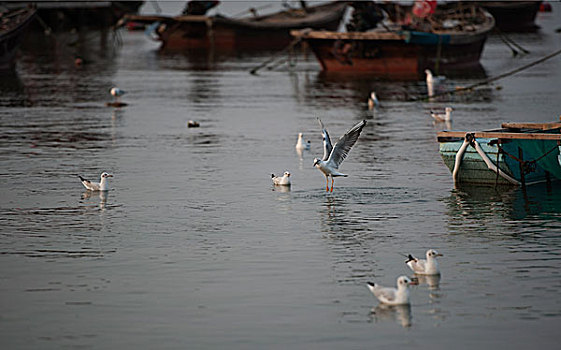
x: 432, y: 281
x: 393, y: 313
x: 91, y: 196
x: 479, y: 202
x: 341, y: 90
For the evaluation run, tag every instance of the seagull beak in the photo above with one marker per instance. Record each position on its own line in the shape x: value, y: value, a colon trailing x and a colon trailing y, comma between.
x: 109, y: 175
x: 414, y: 281
x: 439, y: 254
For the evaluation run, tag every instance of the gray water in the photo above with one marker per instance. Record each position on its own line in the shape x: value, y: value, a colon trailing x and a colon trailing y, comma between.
x: 194, y: 248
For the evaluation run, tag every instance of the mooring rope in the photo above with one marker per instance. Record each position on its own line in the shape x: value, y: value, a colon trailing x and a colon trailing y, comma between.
x: 487, y: 81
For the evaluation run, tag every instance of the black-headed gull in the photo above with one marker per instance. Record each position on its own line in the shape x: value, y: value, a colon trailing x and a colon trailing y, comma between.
x: 433, y: 81
x: 442, y: 117
x: 373, y: 101
x: 283, y: 180
x: 96, y: 186
x: 333, y: 156
x: 390, y: 295
x: 422, y: 266
x: 300, y: 145
x: 117, y: 93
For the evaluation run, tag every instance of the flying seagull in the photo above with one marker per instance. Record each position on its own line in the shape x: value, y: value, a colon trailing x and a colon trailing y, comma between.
x: 333, y: 156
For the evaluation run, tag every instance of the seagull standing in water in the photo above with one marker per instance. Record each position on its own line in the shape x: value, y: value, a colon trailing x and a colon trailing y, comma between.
x: 96, y: 186
x: 440, y: 118
x: 432, y: 81
x: 300, y: 145
x: 117, y: 93
x: 373, y: 102
x: 281, y: 180
x: 392, y: 296
x: 333, y: 156
x: 424, y: 267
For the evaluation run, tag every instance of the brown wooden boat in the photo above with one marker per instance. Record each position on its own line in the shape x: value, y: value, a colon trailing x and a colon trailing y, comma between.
x: 13, y: 25
x: 250, y: 33
x: 451, y: 38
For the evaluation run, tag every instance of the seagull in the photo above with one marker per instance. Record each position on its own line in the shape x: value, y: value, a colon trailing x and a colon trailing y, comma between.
x: 432, y: 81
x: 193, y: 124
x: 300, y: 145
x: 281, y: 180
x: 373, y: 101
x: 392, y: 296
x: 439, y: 117
x: 424, y: 267
x: 117, y: 93
x: 333, y: 156
x: 96, y: 186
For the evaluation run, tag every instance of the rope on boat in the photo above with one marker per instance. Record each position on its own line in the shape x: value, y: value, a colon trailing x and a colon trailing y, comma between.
x: 510, y: 43
x: 470, y: 140
x: 492, y: 166
x: 459, y: 158
x: 487, y: 81
x: 275, y: 56
x: 528, y: 165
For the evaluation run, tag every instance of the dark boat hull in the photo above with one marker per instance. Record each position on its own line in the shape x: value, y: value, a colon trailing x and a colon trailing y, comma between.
x: 11, y: 38
x: 513, y: 16
x: 227, y: 34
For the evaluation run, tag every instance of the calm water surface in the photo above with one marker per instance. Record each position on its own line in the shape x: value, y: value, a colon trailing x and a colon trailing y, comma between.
x: 194, y: 248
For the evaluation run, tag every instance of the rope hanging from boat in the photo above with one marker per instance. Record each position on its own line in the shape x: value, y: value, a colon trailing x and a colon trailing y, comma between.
x: 528, y: 165
x: 272, y: 59
x: 487, y: 81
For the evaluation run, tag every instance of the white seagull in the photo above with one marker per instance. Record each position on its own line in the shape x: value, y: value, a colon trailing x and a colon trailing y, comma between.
x: 432, y: 81
x: 96, y: 186
x: 440, y: 117
x: 117, y: 93
x: 373, y: 101
x: 281, y: 180
x: 422, y: 266
x: 392, y: 296
x: 333, y: 156
x: 300, y: 145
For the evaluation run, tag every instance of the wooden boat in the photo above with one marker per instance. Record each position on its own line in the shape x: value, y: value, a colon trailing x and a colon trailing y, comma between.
x: 513, y: 16
x: 259, y: 32
x: 452, y: 38
x: 516, y: 154
x: 13, y: 25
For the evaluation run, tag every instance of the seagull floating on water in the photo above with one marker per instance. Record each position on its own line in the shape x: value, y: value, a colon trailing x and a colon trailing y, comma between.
x: 281, y: 180
x: 193, y: 124
x: 442, y: 117
x: 333, y: 156
x: 373, y: 101
x: 390, y: 295
x: 422, y: 266
x: 433, y: 81
x: 96, y: 186
x: 300, y: 145
x: 117, y: 93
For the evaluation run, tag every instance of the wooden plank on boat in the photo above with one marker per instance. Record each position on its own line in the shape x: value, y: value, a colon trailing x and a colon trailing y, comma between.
x: 540, y: 126
x: 320, y: 34
x: 500, y: 135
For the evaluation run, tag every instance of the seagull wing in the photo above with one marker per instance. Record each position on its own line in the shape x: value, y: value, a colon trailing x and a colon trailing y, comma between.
x: 384, y: 294
x: 93, y: 186
x: 346, y: 142
x: 327, y: 147
x: 417, y: 265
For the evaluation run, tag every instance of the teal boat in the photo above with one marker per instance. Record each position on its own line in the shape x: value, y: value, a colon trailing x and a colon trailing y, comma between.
x: 518, y: 154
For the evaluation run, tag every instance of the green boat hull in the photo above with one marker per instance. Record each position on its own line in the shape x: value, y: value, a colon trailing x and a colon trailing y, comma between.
x: 545, y: 153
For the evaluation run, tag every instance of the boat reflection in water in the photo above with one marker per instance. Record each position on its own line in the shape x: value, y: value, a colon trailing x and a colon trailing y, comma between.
x: 483, y: 205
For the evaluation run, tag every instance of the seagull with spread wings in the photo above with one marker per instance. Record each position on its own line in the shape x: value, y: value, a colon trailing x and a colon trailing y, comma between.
x: 333, y: 156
